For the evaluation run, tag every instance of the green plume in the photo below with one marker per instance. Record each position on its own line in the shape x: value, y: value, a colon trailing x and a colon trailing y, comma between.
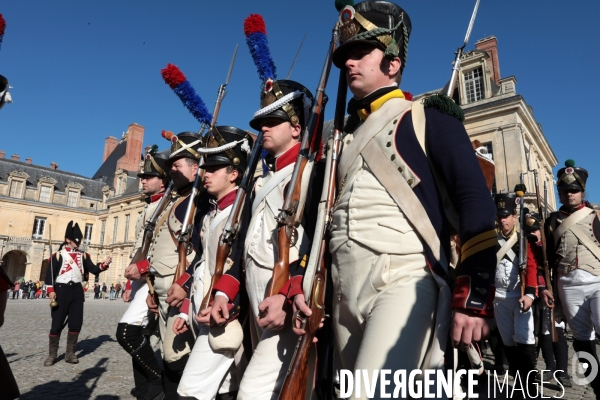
x: 153, y: 150
x: 340, y: 4
x: 570, y: 163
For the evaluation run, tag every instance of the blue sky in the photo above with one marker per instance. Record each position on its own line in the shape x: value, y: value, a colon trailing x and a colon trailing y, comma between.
x: 85, y: 70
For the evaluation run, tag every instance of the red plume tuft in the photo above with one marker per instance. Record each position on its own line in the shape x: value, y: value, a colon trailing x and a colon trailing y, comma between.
x: 172, y: 75
x: 167, y: 135
x: 3, y: 26
x: 253, y: 24
x: 408, y: 95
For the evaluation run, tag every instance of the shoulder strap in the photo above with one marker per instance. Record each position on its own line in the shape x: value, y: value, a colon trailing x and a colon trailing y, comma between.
x: 506, y: 247
x: 569, y: 222
x: 275, y: 180
x: 419, y: 123
x: 586, y: 240
x: 405, y: 198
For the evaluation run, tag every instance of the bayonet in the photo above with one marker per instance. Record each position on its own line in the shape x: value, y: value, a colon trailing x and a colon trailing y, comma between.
x: 295, y: 58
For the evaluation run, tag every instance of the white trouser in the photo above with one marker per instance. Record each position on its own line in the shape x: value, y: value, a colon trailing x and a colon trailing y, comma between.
x: 579, y: 293
x: 137, y: 312
x: 207, y: 372
x: 545, y: 318
x: 383, y: 309
x: 273, y: 350
x: 514, y: 326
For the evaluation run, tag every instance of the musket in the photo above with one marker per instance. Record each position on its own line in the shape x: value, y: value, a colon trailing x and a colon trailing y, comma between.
x: 541, y: 212
x: 294, y: 386
x: 148, y: 235
x: 545, y: 201
x: 520, y: 192
x: 190, y: 212
x: 459, y: 53
x: 53, y: 302
x: 295, y: 58
x: 290, y: 214
x: 232, y: 226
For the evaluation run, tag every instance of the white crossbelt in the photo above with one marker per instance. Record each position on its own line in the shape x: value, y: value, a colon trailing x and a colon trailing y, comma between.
x: 506, y: 248
x: 275, y: 180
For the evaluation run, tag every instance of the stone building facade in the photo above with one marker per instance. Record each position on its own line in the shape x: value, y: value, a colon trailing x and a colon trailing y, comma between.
x: 36, y: 202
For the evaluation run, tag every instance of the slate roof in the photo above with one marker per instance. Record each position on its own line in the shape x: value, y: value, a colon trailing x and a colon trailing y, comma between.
x: 107, y: 170
x: 91, y: 188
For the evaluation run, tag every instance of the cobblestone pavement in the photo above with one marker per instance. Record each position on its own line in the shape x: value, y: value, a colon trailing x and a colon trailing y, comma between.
x: 104, y: 369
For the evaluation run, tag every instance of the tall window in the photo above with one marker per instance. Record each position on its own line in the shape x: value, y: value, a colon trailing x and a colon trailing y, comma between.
x: 39, y: 226
x: 102, y: 230
x: 72, y: 199
x: 88, y: 233
x: 45, y: 192
x: 115, y: 230
x: 474, y: 85
x: 16, y: 189
x: 126, y: 228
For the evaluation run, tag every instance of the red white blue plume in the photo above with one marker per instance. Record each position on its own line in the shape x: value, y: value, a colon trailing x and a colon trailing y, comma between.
x: 186, y: 93
x: 2, y: 27
x: 256, y: 39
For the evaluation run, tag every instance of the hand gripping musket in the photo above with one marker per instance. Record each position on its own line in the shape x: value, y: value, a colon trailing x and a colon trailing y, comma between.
x: 183, y: 247
x: 290, y: 214
x: 232, y: 226
x: 294, y: 386
x: 149, y: 228
x: 542, y: 213
x: 520, y: 192
x: 53, y: 302
x: 459, y: 53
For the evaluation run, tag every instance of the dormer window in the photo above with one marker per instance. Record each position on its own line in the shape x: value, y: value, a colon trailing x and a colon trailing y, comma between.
x: 45, y: 193
x: 16, y: 188
x: 474, y: 85
x: 72, y: 198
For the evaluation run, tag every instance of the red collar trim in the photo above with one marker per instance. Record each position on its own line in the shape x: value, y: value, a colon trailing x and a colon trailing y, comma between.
x: 70, y: 250
x: 287, y: 158
x: 227, y: 200
x: 156, y: 197
x: 582, y: 205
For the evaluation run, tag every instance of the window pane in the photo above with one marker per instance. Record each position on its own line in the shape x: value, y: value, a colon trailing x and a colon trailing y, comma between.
x: 45, y: 194
x: 39, y: 227
x: 72, y: 199
x: 16, y: 188
x: 88, y: 233
x: 115, y: 230
x: 474, y: 85
x: 102, y: 231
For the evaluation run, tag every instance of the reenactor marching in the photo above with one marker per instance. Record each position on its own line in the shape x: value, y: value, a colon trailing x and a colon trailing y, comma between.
x: 513, y: 311
x: 131, y: 330
x: 64, y: 280
x: 573, y: 251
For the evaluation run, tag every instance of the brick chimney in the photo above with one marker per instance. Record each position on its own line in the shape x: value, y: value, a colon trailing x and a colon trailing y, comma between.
x: 15, y: 157
x: 2, y: 153
x: 133, y: 153
x: 28, y: 160
x: 109, y: 145
x: 53, y: 165
x: 490, y: 45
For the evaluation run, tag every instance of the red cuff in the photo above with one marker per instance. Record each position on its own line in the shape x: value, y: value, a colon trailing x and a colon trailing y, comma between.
x: 143, y: 266
x: 49, y: 289
x: 185, y: 307
x: 292, y: 287
x: 103, y: 267
x: 228, y: 285
x: 183, y: 279
x: 128, y: 285
x: 464, y: 299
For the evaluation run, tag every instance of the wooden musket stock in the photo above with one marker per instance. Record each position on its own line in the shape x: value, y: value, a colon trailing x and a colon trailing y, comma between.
x: 294, y: 386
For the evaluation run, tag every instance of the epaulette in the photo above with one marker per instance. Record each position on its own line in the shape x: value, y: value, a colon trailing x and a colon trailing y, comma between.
x: 445, y: 105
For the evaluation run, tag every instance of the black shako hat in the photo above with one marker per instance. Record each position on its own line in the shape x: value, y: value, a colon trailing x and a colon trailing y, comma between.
x: 155, y: 164
x: 4, y: 95
x: 532, y: 222
x: 505, y: 204
x: 381, y: 24
x: 572, y: 177
x: 184, y: 145
x: 74, y: 233
x: 228, y: 145
x: 283, y: 99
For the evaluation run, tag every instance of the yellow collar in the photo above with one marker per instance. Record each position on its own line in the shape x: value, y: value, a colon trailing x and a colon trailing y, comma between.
x: 376, y: 105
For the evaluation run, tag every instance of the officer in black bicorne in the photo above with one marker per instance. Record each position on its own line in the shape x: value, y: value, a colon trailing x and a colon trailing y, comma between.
x: 64, y: 286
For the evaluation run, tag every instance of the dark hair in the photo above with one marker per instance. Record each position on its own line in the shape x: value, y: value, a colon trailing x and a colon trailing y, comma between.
x: 238, y: 180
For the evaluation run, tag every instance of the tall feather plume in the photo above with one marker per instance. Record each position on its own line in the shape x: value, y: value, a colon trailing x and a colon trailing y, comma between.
x: 2, y: 27
x: 167, y: 135
x: 256, y: 39
x: 186, y: 93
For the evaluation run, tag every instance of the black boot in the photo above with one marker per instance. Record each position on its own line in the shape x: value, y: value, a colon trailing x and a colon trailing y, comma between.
x: 146, y: 370
x: 547, y: 348
x: 527, y: 361
x: 561, y: 354
x: 53, y: 350
x: 497, y: 347
x: 227, y: 396
x: 588, y: 346
x: 70, y: 356
x: 173, y: 373
x: 512, y: 355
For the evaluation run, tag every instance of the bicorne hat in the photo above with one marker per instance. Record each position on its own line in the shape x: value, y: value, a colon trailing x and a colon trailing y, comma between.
x: 74, y: 233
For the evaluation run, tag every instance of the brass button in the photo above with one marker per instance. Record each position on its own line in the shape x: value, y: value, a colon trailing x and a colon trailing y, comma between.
x: 393, y: 157
x: 347, y: 141
x: 390, y: 132
x: 400, y: 169
x: 389, y: 144
x: 410, y: 181
x: 395, y: 121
